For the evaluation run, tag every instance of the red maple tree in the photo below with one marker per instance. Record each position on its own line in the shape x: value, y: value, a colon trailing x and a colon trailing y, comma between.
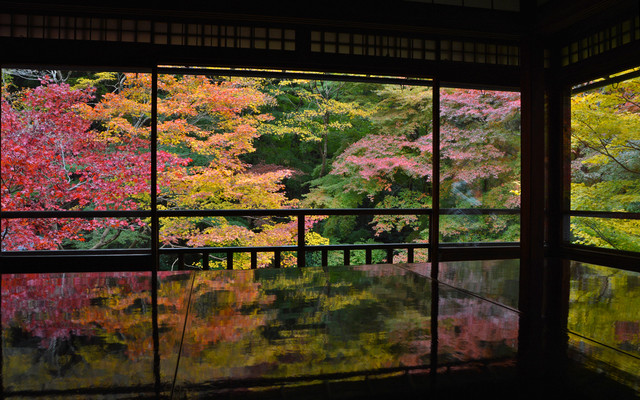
x: 51, y: 162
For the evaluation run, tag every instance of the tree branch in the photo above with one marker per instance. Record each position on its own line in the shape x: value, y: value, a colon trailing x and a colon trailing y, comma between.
x: 103, y: 239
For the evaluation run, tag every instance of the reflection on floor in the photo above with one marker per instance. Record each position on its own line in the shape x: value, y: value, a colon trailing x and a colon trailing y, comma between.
x: 374, y: 331
x: 604, y: 321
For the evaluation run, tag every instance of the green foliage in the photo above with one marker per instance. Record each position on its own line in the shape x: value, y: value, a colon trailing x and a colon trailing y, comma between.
x: 316, y: 112
x: 404, y: 110
x: 470, y: 228
x: 416, y: 226
x: 605, y: 149
x: 113, y: 238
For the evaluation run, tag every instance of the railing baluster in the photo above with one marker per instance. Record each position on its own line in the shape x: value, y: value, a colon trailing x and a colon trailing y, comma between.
x: 277, y: 258
x: 389, y: 256
x: 205, y: 261
x: 229, y: 260
x: 367, y: 256
x: 325, y: 258
x: 254, y: 259
x: 180, y: 261
x: 410, y: 255
x: 347, y: 257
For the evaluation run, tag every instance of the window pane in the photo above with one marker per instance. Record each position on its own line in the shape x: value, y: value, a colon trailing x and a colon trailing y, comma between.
x: 480, y: 163
x: 605, y: 148
x: 73, y: 141
x: 605, y: 164
x: 612, y: 233
x: 249, y: 143
x: 208, y: 126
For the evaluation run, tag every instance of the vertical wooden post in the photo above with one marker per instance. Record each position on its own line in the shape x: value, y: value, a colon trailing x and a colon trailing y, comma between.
x: 558, y: 183
x: 153, y: 187
x: 229, y: 260
x: 532, y: 240
x: 558, y: 141
x: 277, y: 259
x: 434, y: 219
x: 205, y: 261
x: 434, y: 226
x: 1, y: 327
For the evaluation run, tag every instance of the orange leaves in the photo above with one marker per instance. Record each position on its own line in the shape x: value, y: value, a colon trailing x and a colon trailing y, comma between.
x: 197, y: 95
x: 212, y: 118
x: 174, y: 132
x: 215, y: 123
x: 220, y: 235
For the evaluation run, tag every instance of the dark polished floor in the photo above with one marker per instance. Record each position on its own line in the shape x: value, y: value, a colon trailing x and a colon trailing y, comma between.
x: 365, y: 332
x: 497, y: 384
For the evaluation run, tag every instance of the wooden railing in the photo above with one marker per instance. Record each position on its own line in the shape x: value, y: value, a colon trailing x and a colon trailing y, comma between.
x: 148, y: 258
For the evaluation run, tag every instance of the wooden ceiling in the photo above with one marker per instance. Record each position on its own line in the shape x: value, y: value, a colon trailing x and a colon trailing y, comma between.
x: 474, y: 39
x: 550, y: 19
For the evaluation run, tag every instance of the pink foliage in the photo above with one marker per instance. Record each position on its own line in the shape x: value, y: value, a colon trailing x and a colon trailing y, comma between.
x: 381, y: 156
x: 468, y: 137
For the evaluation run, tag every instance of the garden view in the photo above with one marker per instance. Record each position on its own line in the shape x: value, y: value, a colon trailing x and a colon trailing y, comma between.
x: 81, y: 141
x: 605, y: 164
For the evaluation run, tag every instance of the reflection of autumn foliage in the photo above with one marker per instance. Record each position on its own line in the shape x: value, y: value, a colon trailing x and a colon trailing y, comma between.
x: 244, y: 324
x: 604, y: 308
x: 215, y: 315
x: 66, y: 294
x: 55, y: 307
x: 476, y: 330
x: 117, y: 307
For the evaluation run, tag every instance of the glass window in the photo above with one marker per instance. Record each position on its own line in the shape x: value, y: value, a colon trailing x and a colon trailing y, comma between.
x: 72, y: 142
x: 605, y: 165
x: 229, y: 142
x: 479, y: 165
x: 79, y: 142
